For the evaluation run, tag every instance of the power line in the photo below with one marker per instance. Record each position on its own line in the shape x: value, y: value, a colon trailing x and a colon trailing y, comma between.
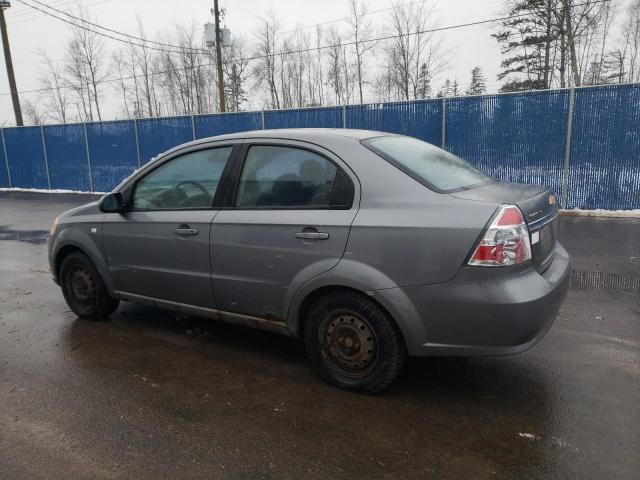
x: 35, y: 15
x: 22, y: 11
x: 343, y: 19
x: 103, y: 34
x: 87, y: 22
x: 304, y: 50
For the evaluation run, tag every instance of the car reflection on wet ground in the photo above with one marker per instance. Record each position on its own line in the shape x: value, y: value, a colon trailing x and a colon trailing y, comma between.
x: 149, y: 394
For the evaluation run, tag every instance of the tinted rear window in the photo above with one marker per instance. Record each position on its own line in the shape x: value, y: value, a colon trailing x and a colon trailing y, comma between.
x: 428, y: 164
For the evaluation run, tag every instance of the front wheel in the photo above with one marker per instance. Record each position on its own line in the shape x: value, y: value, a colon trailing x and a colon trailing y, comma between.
x: 83, y: 288
x: 353, y: 343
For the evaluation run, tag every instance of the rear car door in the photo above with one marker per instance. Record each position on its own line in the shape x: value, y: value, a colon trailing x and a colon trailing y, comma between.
x: 286, y: 219
x: 159, y: 247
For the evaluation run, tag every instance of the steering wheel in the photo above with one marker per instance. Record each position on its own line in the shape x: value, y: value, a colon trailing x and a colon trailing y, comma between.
x: 194, y: 183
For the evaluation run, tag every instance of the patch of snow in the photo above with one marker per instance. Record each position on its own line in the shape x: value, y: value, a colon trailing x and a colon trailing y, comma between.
x: 53, y: 190
x: 529, y: 436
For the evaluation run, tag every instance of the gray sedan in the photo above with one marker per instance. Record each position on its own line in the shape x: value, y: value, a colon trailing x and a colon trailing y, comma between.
x: 367, y: 246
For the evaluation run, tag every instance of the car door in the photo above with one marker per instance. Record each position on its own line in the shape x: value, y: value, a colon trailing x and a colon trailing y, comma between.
x: 287, y: 219
x: 159, y: 247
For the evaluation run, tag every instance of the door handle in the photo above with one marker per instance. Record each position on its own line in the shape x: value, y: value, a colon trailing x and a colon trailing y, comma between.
x: 185, y: 230
x: 312, y: 235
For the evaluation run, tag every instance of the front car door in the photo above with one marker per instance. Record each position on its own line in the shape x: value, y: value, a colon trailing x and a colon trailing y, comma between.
x: 159, y: 247
x: 286, y: 219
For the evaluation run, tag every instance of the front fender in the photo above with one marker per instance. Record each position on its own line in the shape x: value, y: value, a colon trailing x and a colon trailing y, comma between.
x: 81, y: 237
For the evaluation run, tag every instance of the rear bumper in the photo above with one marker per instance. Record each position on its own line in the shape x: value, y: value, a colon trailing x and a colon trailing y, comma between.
x: 482, y: 311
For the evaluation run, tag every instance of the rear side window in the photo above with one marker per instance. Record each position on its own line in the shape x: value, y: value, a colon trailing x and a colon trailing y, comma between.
x: 185, y: 182
x: 287, y: 177
x: 432, y: 166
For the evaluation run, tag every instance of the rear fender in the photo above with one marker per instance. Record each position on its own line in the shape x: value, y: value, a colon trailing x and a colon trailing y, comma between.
x: 353, y: 275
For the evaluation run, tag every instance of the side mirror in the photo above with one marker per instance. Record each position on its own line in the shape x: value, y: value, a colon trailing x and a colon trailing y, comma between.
x: 111, y: 203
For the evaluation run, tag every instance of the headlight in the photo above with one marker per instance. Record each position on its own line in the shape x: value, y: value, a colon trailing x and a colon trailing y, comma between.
x: 54, y: 227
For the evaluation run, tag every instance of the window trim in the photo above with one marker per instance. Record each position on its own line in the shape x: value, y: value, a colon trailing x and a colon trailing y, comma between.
x: 234, y: 179
x: 367, y: 143
x: 130, y: 188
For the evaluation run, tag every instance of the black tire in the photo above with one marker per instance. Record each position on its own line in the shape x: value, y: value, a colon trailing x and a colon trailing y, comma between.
x: 353, y: 343
x: 83, y: 288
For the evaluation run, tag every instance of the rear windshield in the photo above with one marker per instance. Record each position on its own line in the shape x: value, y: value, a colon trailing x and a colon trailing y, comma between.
x: 430, y: 165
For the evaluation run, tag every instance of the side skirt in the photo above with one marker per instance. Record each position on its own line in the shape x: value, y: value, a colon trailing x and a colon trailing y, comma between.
x: 229, y: 317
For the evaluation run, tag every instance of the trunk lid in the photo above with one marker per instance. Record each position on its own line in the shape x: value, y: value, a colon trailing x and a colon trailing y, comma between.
x: 538, y: 206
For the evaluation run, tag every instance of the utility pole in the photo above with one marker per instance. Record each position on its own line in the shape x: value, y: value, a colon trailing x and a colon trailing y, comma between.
x: 216, y: 14
x: 9, y: 63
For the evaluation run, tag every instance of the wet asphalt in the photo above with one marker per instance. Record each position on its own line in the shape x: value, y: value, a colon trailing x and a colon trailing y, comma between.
x: 150, y: 395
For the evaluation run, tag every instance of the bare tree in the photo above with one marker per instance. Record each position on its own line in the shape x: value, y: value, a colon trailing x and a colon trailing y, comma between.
x: 119, y: 67
x: 143, y: 60
x: 86, y: 54
x: 296, y: 65
x: 32, y: 113
x: 338, y: 73
x: 265, y: 66
x: 79, y: 86
x: 55, y: 92
x: 413, y: 52
x: 631, y: 36
x: 361, y: 32
x: 184, y: 80
x: 316, y: 75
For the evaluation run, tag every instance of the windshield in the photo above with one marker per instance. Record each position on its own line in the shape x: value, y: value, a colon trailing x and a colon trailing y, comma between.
x: 428, y: 164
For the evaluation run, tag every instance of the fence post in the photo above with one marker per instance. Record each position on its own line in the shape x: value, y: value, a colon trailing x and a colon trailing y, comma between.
x: 567, y: 150
x: 344, y: 116
x: 6, y: 157
x: 262, y: 117
x: 135, y: 131
x: 46, y: 158
x: 443, y: 127
x: 193, y: 126
x: 86, y: 146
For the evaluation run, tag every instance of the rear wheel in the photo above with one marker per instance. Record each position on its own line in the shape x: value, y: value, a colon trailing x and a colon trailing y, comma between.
x: 83, y: 288
x: 353, y: 343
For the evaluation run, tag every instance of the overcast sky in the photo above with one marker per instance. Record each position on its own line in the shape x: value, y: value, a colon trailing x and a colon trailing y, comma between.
x: 29, y: 30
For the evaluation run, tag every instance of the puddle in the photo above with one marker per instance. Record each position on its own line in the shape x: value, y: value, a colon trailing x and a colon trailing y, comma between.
x: 37, y: 237
x: 617, y: 282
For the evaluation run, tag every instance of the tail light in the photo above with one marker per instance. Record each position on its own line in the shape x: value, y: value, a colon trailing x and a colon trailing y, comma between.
x: 505, y: 241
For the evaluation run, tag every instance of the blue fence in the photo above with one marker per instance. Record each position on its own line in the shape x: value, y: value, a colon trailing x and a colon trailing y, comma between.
x: 584, y: 142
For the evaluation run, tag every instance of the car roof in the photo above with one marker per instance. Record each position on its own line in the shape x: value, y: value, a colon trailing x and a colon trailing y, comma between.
x: 314, y: 135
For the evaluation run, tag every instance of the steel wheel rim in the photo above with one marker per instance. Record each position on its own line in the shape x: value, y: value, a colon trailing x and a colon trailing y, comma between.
x: 81, y: 286
x: 349, y: 343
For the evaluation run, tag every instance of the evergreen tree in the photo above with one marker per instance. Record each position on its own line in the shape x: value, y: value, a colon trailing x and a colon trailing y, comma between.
x: 526, y: 39
x: 445, y: 89
x: 478, y: 84
x: 423, y: 89
x: 455, y: 88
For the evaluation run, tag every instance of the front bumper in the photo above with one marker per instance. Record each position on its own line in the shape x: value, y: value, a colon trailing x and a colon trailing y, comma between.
x: 483, y: 311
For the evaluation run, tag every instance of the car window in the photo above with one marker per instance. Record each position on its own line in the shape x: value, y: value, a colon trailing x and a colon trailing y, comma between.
x: 188, y: 181
x: 275, y: 176
x: 427, y: 163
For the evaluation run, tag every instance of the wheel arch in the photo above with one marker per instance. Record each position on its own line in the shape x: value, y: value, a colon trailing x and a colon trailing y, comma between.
x: 307, y: 302
x: 63, y: 253
x: 67, y: 246
x: 370, y: 283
